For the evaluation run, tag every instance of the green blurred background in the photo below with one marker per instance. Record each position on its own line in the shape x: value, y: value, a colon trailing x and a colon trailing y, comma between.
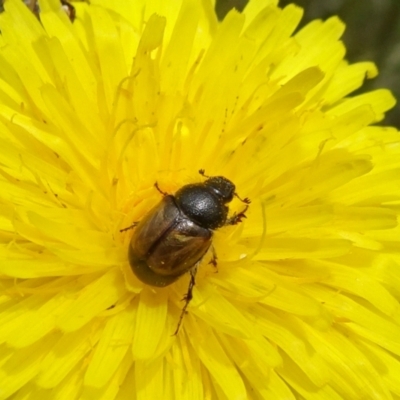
x: 372, y: 33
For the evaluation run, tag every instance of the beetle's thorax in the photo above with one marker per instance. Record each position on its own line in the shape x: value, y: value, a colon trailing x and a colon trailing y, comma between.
x: 202, y: 205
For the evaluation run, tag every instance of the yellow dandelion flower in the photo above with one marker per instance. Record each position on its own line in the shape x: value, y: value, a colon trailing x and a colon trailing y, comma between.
x: 304, y: 303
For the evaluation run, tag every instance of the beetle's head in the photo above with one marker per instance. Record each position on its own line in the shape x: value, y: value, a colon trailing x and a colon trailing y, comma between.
x: 221, y: 187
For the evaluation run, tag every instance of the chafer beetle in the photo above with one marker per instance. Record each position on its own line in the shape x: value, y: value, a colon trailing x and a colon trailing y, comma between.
x: 176, y: 234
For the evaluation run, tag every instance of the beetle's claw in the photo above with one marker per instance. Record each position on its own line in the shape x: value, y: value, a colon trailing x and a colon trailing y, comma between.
x: 246, y: 200
x: 213, y: 262
x: 236, y: 218
x: 240, y: 216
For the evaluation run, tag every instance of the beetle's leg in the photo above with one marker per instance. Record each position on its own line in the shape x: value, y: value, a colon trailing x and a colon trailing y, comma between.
x: 188, y: 296
x: 214, y: 258
x: 129, y: 227
x: 246, y: 200
x: 158, y: 188
x: 237, y: 217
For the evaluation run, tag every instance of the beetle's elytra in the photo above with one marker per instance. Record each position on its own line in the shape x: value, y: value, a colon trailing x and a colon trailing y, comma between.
x: 176, y: 234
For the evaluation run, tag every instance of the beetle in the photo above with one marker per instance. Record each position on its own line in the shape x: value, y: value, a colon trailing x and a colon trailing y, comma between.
x: 176, y: 234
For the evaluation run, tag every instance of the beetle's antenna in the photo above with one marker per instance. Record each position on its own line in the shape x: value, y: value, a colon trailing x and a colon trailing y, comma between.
x: 203, y: 173
x: 188, y: 296
x: 158, y: 188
